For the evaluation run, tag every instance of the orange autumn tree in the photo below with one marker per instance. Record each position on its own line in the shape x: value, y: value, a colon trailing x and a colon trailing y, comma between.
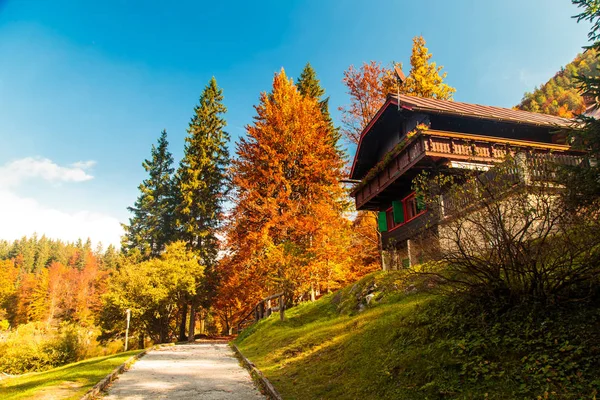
x: 369, y: 86
x: 289, y: 201
x: 364, y: 245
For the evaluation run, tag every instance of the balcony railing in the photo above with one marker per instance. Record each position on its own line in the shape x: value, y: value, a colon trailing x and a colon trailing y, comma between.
x: 527, y: 169
x: 452, y: 146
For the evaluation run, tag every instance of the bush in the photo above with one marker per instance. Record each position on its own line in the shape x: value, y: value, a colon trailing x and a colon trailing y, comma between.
x: 24, y: 350
x: 37, y: 347
x: 528, y: 350
x: 510, y: 234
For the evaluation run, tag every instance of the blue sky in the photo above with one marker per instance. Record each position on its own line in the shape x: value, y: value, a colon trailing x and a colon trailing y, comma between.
x: 86, y: 87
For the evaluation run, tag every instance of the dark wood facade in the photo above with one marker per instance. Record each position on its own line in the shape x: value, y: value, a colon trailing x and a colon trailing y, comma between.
x: 410, y: 135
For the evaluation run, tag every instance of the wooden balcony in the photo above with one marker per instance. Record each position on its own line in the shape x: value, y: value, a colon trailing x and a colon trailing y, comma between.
x: 528, y: 169
x: 438, y: 145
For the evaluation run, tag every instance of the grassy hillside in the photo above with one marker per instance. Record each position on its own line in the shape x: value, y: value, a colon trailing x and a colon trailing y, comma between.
x: 410, y: 344
x: 67, y: 382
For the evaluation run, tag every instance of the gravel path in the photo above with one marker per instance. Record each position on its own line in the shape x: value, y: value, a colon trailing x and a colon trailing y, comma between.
x: 195, y: 371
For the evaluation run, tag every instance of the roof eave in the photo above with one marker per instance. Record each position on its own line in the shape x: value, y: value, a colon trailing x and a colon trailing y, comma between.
x: 487, y: 118
x: 389, y: 100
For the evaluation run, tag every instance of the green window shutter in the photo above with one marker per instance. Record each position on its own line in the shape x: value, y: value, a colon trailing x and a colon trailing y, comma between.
x: 420, y: 203
x: 398, y: 209
x: 382, y: 221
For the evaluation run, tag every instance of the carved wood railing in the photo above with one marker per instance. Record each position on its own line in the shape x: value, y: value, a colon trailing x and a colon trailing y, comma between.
x: 528, y: 169
x: 398, y: 165
x: 449, y: 145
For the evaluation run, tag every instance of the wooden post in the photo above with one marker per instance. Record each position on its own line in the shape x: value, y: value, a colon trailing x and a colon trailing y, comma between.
x: 281, y: 308
x: 128, y: 313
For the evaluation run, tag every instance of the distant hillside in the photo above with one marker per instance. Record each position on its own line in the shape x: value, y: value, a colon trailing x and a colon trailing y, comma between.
x: 560, y: 96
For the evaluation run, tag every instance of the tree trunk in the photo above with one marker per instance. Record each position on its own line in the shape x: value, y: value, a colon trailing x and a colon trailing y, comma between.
x: 312, y: 292
x: 227, y: 327
x: 182, y: 323
x: 141, y: 341
x: 192, y: 322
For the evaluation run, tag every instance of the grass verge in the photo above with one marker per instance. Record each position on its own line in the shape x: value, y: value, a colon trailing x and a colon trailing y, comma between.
x: 411, y: 344
x: 70, y: 381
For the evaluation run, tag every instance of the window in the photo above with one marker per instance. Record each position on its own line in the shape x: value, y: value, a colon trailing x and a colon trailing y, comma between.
x: 401, y: 212
x: 391, y: 223
x: 410, y: 207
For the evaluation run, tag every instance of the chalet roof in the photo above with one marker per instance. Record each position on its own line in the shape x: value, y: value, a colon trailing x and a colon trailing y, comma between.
x: 479, y: 111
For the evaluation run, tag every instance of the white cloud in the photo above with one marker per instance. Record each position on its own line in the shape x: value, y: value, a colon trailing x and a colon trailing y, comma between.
x: 15, y: 172
x: 20, y: 216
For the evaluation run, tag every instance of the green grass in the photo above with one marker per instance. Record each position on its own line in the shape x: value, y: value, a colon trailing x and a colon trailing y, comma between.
x: 70, y: 381
x: 410, y: 344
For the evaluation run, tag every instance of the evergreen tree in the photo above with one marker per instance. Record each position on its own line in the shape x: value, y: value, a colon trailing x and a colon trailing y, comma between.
x: 23, y: 251
x: 5, y: 247
x: 152, y: 226
x: 110, y: 259
x: 308, y: 85
x: 424, y: 79
x: 202, y: 185
x: 42, y: 254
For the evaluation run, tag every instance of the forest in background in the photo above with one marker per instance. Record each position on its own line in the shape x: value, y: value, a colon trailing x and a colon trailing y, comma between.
x: 561, y: 95
x: 50, y: 296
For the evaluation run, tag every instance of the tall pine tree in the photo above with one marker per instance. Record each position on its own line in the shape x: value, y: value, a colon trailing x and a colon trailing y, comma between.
x: 309, y: 86
x: 151, y: 227
x: 202, y: 186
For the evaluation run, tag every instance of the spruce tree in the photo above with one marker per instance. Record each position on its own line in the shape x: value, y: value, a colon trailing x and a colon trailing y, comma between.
x: 202, y: 186
x: 309, y: 86
x: 151, y: 227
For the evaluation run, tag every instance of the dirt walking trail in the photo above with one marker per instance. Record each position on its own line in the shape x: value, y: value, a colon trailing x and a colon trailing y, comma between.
x: 206, y: 370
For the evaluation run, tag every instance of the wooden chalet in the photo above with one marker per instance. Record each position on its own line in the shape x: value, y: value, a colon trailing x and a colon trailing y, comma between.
x: 411, y: 134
